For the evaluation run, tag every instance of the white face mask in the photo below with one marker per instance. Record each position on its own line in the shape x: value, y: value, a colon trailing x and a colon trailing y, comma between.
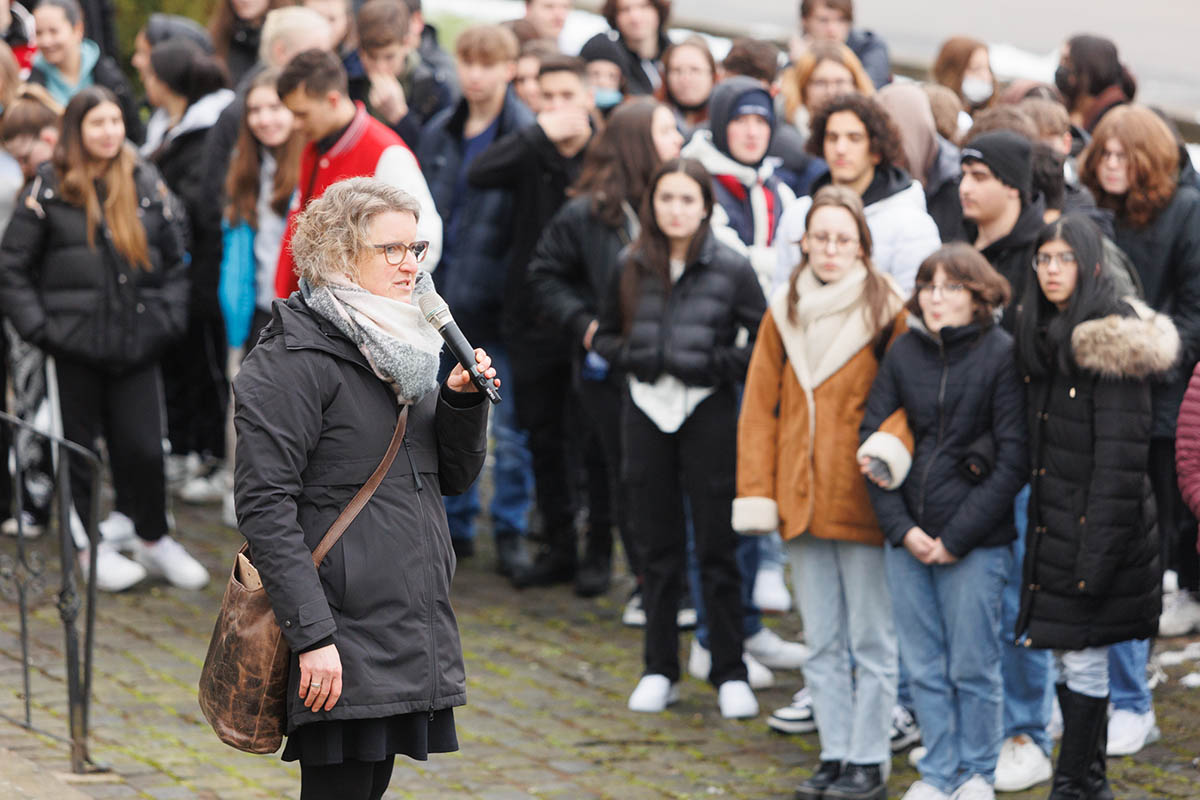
x: 976, y: 90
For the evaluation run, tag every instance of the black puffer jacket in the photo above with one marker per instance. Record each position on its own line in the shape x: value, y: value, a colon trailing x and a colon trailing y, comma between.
x: 573, y: 266
x: 90, y: 304
x: 1091, y: 574
x: 313, y: 422
x: 954, y: 389
x: 1166, y: 254
x: 691, y: 331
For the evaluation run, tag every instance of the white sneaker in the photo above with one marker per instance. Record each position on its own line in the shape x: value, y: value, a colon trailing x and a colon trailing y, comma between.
x: 1022, y: 764
x: 700, y: 665
x: 28, y: 529
x: 976, y: 788
x: 204, y: 489
x: 924, y: 791
x: 117, y: 529
x: 686, y: 618
x: 795, y: 718
x: 1170, y: 582
x: 1129, y: 732
x: 182, y: 468
x: 736, y: 700
x: 771, y: 593
x: 634, y: 615
x: 904, y: 732
x: 916, y: 754
x: 1180, y: 616
x: 653, y: 694
x: 774, y: 652
x: 114, y: 572
x: 166, y: 558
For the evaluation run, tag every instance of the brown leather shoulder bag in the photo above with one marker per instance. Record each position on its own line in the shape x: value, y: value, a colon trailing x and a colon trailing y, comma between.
x: 243, y: 685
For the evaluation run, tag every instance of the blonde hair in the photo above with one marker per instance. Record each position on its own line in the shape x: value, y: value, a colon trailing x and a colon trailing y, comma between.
x: 333, y: 233
x: 281, y: 23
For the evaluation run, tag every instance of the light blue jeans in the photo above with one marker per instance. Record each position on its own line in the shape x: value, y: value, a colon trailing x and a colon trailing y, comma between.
x: 1084, y: 671
x: 847, y: 611
x: 948, y: 623
x: 512, y: 468
x: 1127, y: 676
x: 1028, y: 673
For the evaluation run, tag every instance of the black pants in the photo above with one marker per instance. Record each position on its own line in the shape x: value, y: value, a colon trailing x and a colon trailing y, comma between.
x: 126, y: 410
x: 350, y: 780
x: 197, y: 392
x: 660, y: 468
x: 599, y: 403
x: 1176, y: 525
x: 542, y: 388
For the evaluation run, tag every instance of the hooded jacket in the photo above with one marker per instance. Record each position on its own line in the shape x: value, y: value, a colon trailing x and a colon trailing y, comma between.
x: 941, y: 190
x: 86, y: 303
x: 1166, y: 254
x: 97, y: 69
x: 955, y: 388
x: 1091, y: 573
x: 313, y: 421
x: 872, y: 51
x: 178, y: 153
x: 902, y: 232
x: 1012, y: 254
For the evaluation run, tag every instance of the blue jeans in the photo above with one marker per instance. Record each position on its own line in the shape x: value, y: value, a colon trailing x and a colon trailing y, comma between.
x: 1028, y: 673
x: 1127, y: 676
x: 512, y: 469
x: 771, y: 552
x: 948, y: 624
x: 847, y: 611
x: 1084, y: 671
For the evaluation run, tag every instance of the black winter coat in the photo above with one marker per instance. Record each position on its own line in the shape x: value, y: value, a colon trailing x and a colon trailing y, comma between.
x: 477, y: 252
x: 692, y: 330
x: 1166, y: 254
x: 1091, y: 573
x: 87, y: 303
x: 954, y: 389
x: 530, y: 166
x: 574, y: 265
x: 313, y: 422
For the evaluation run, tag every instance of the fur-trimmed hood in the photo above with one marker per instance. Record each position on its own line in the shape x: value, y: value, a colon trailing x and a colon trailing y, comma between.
x: 1127, y: 347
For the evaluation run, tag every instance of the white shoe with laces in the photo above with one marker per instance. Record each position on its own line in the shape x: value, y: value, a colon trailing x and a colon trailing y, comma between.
x: 167, y: 559
x: 976, y: 788
x: 700, y: 666
x: 775, y: 652
x: 1129, y: 732
x: 114, y: 572
x: 736, y: 700
x: 771, y: 593
x: 117, y: 529
x: 905, y: 731
x: 653, y: 694
x: 1021, y: 764
x: 796, y: 717
x: 924, y: 791
x: 1180, y: 616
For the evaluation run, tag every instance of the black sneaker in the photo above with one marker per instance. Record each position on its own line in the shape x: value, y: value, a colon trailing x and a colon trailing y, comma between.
x: 593, y: 577
x: 814, y: 787
x: 511, y: 556
x: 551, y: 567
x: 858, y: 782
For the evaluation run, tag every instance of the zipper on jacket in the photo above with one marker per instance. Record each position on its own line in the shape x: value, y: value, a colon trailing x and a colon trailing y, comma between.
x: 433, y: 668
x: 941, y: 409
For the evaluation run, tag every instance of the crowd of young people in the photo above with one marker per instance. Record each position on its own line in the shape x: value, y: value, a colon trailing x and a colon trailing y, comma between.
x: 926, y: 342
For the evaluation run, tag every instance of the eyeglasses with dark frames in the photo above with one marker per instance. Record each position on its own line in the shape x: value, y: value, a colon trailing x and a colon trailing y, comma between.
x: 396, y: 252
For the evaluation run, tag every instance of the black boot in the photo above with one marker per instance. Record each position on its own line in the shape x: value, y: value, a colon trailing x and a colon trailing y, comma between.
x: 1098, y: 769
x: 511, y: 556
x: 1085, y: 725
x: 858, y: 782
x: 814, y: 787
x: 595, y: 572
x: 555, y: 564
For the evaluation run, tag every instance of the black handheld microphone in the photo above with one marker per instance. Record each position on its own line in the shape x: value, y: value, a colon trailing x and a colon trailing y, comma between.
x: 437, y: 314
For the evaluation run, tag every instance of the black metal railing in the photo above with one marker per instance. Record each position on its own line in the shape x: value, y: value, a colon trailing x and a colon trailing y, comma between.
x: 23, y: 578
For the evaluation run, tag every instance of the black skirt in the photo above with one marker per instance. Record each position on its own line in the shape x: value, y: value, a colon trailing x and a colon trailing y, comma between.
x: 415, y: 735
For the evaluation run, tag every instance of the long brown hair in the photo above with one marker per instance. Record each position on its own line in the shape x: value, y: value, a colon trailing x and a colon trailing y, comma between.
x: 242, y: 184
x: 650, y: 254
x: 876, y: 290
x: 78, y: 173
x: 620, y: 161
x: 951, y: 64
x: 1153, y: 157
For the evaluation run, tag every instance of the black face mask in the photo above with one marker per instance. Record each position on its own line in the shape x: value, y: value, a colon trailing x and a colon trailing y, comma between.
x: 1065, y: 80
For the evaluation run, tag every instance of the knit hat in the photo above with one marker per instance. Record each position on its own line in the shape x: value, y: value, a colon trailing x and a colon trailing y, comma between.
x: 601, y: 48
x: 735, y: 97
x: 757, y: 102
x: 1008, y: 155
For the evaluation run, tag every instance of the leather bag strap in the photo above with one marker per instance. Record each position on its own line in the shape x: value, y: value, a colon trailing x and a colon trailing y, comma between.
x: 364, y: 494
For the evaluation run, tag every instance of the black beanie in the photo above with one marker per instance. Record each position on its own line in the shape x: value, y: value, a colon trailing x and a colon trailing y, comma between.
x: 1008, y: 155
x: 602, y: 48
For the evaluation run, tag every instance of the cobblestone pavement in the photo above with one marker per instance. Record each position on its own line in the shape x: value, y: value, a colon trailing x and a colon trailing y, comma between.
x: 548, y: 676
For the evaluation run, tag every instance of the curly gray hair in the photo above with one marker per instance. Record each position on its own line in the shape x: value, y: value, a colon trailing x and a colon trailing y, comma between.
x: 332, y: 233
